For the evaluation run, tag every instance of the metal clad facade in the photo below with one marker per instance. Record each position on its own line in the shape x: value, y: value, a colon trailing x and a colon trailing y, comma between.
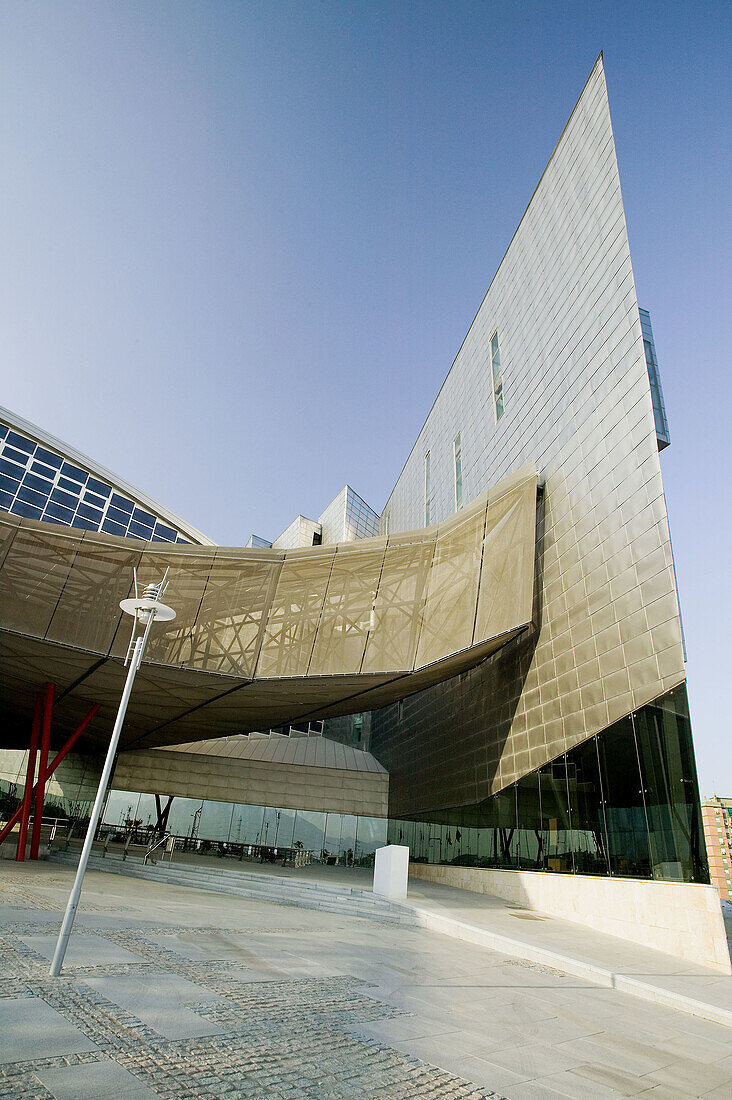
x: 577, y: 402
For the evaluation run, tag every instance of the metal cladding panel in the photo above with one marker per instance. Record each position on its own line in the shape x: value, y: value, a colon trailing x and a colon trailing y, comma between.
x: 507, y: 565
x: 34, y: 574
x: 317, y: 752
x: 226, y: 599
x: 233, y: 613
x: 254, y: 782
x: 399, y: 603
x: 577, y: 404
x: 187, y: 575
x: 346, y: 619
x: 295, y: 613
x: 88, y: 614
x: 449, y: 609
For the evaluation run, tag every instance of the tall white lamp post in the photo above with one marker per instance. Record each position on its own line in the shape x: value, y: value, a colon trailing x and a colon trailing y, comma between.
x: 146, y: 610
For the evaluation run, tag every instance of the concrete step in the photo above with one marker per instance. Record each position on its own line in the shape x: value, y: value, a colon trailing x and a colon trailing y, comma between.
x: 331, y: 898
x: 225, y: 874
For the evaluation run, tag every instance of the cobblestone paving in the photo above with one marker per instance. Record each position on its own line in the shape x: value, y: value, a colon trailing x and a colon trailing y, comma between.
x: 292, y: 1038
x: 175, y: 992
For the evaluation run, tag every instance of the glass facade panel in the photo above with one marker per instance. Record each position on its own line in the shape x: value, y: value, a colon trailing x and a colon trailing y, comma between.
x: 622, y: 803
x: 14, y: 455
x: 12, y: 469
x: 497, y: 375
x: 531, y: 833
x: 122, y: 503
x: 74, y: 473
x: 42, y: 485
x: 458, y: 451
x: 556, y: 816
x: 427, y: 490
x: 625, y: 812
x: 31, y: 496
x: 35, y: 481
x: 26, y: 445
x: 59, y: 511
x: 659, y: 409
x: 60, y: 496
x: 9, y: 485
x: 98, y: 487
x: 215, y: 820
x: 346, y: 838
x: 22, y: 508
x: 588, y: 809
x: 332, y: 838
x: 663, y: 735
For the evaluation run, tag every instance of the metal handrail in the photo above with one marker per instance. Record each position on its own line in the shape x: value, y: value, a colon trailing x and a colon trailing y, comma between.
x: 152, y: 847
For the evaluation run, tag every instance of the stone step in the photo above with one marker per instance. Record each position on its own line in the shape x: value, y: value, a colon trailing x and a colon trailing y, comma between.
x: 347, y: 901
x: 230, y: 874
x: 311, y: 900
x: 269, y: 884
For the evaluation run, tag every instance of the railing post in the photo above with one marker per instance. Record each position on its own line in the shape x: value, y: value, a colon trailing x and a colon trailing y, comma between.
x: 30, y: 775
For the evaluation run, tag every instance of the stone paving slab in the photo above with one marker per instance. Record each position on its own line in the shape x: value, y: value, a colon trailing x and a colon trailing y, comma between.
x: 574, y: 949
x: 162, y: 1004
x: 86, y: 951
x: 98, y: 1079
x: 30, y: 1028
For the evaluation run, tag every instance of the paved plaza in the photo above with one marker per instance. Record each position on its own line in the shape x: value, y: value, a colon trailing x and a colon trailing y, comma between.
x: 174, y: 992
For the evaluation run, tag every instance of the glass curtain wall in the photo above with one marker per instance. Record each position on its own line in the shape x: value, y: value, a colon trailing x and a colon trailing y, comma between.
x: 624, y: 802
x: 340, y: 837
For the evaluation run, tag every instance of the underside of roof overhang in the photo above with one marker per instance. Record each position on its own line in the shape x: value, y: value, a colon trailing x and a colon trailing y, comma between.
x: 262, y: 637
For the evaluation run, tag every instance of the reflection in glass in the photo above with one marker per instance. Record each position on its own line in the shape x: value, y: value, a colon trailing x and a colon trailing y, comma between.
x: 625, y: 802
x: 663, y: 733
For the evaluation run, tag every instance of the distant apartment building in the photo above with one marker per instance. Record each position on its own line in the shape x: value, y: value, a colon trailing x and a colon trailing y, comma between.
x: 717, y: 819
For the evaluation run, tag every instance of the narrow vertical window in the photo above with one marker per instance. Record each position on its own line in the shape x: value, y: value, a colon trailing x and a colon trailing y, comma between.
x: 457, y: 446
x: 497, y: 377
x: 427, y: 489
x: 386, y: 524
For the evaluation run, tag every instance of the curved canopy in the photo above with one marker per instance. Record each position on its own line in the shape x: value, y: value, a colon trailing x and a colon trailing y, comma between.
x: 262, y: 637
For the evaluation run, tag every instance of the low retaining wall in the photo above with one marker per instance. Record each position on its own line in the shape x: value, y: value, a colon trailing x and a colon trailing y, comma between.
x: 681, y: 919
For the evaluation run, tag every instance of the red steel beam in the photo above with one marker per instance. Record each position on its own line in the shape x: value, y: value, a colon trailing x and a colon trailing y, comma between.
x: 23, y: 811
x: 30, y: 790
x: 42, y: 772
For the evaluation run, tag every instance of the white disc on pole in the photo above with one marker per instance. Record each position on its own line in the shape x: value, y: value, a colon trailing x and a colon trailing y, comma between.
x: 163, y: 613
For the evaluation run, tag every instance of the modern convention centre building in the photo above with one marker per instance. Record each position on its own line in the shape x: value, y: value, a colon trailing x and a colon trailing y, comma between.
x: 491, y: 672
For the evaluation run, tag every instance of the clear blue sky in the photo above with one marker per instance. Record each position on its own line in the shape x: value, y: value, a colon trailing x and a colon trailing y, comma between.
x: 242, y: 243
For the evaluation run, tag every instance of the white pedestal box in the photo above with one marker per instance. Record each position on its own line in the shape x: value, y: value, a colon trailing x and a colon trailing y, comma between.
x: 391, y: 869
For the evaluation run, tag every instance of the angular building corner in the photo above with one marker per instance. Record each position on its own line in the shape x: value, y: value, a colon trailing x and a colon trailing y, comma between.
x: 569, y: 750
